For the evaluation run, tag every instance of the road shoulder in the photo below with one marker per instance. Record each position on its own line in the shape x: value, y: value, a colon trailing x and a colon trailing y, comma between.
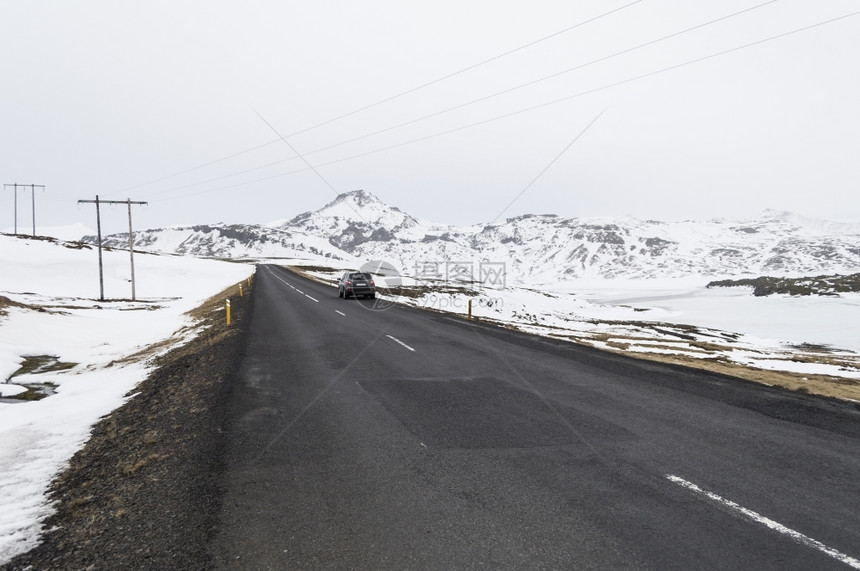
x: 145, y: 490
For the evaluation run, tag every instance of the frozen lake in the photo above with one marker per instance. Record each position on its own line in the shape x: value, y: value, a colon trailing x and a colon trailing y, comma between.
x: 824, y: 320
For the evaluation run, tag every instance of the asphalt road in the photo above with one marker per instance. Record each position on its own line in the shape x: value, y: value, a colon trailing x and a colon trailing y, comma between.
x: 403, y: 439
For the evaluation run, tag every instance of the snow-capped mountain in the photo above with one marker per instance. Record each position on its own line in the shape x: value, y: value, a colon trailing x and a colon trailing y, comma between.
x: 225, y: 241
x: 355, y: 218
x: 357, y: 226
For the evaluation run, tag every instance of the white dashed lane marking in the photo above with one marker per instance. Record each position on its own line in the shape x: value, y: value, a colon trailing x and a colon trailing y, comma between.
x: 297, y: 290
x: 398, y: 341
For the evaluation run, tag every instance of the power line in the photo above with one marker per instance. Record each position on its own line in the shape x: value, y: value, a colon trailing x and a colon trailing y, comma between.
x: 217, y: 178
x: 465, y: 69
x: 588, y: 91
x: 546, y: 168
x: 310, y: 166
x: 542, y: 79
x: 487, y: 97
x: 198, y: 167
x: 547, y: 103
x: 392, y: 97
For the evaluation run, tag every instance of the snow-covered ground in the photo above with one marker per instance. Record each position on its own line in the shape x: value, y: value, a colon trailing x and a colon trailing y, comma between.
x: 71, y: 232
x: 820, y: 320
x: 59, y: 316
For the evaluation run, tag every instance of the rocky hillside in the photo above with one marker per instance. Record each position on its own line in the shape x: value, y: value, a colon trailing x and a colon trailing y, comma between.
x: 357, y: 226
x: 225, y: 241
x: 818, y: 285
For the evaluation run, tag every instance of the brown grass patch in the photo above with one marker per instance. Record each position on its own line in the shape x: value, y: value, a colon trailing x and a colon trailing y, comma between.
x: 678, y: 348
x: 6, y: 303
x: 129, y: 469
x: 710, y: 347
x: 151, y: 437
x: 303, y: 271
x: 200, y: 314
x: 310, y: 268
x: 35, y: 364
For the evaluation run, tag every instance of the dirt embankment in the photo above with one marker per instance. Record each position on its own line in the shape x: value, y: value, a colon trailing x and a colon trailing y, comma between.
x: 144, y: 492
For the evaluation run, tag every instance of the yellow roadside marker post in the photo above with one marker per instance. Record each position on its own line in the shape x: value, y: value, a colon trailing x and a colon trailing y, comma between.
x: 228, y: 312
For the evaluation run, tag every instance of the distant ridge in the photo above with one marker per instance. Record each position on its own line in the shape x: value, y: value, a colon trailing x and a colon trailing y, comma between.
x: 357, y: 226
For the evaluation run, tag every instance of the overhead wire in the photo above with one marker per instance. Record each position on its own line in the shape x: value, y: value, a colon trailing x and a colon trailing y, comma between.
x: 536, y: 81
x: 390, y: 98
x: 468, y: 68
x: 547, y: 167
x: 198, y: 167
x: 304, y: 160
x: 310, y: 166
x: 486, y: 97
x: 543, y: 105
x: 222, y: 177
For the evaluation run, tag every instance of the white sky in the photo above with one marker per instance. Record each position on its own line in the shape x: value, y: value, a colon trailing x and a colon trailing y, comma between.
x: 107, y: 96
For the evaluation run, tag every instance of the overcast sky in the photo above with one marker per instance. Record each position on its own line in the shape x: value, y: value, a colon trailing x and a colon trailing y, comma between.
x: 117, y: 97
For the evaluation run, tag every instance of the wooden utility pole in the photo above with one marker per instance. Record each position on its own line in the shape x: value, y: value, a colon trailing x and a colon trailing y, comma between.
x: 32, y: 188
x: 128, y: 202
x: 131, y: 246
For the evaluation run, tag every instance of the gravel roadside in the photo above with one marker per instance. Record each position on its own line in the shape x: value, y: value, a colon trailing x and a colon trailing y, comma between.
x: 145, y: 491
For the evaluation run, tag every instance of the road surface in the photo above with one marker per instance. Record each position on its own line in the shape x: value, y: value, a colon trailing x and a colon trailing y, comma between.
x: 404, y: 439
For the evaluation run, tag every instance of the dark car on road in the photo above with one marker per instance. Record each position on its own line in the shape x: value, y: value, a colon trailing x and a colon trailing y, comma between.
x: 356, y: 284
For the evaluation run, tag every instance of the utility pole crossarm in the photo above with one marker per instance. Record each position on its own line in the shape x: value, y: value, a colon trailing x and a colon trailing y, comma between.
x: 98, y: 203
x: 111, y: 202
x: 32, y: 187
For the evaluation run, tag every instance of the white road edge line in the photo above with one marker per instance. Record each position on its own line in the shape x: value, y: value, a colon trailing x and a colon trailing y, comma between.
x: 295, y: 288
x: 776, y: 526
x: 342, y: 313
x: 396, y: 340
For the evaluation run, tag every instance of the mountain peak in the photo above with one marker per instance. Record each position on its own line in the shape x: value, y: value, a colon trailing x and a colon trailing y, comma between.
x: 360, y: 197
x: 359, y: 205
x: 353, y: 218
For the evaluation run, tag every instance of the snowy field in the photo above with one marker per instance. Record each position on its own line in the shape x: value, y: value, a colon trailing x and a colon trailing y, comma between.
x: 819, y: 320
x: 83, y: 348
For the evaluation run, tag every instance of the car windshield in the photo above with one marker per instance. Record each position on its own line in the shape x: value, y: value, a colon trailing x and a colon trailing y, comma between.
x: 360, y: 276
